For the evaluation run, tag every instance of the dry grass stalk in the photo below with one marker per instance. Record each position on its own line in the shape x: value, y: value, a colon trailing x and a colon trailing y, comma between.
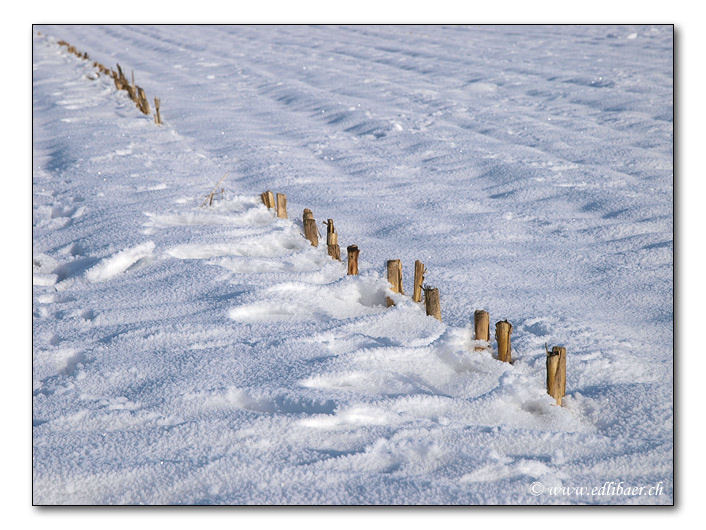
x: 353, y: 253
x: 209, y: 197
x: 394, y: 277
x: 503, y: 330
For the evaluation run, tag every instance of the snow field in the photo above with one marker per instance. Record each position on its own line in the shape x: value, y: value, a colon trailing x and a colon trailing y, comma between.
x: 186, y: 355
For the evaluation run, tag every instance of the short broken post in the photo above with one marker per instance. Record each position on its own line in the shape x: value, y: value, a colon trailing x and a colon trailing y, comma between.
x: 157, y: 115
x: 394, y: 276
x: 432, y: 302
x: 281, y: 206
x: 142, y: 102
x: 119, y: 78
x: 482, y: 327
x: 131, y: 91
x: 419, y: 272
x: 268, y: 199
x: 503, y: 330
x: 353, y: 253
x: 310, y: 230
x: 332, y: 241
x: 556, y: 373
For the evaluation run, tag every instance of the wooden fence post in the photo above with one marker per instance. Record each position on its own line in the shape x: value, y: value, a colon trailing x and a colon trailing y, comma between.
x: 132, y: 89
x: 419, y: 272
x: 310, y: 230
x: 142, y: 102
x: 268, y: 199
x: 556, y: 373
x: 432, y: 302
x: 333, y: 249
x: 482, y: 326
x: 119, y: 78
x: 503, y: 330
x: 281, y: 206
x: 394, y: 276
x: 157, y: 115
x: 353, y: 253
x: 332, y: 241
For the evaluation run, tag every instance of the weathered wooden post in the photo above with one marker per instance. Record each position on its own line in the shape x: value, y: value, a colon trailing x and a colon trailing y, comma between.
x: 157, y: 115
x: 353, y: 253
x: 142, y: 102
x: 119, y: 78
x: 432, y: 302
x: 332, y: 241
x: 131, y: 89
x: 503, y: 330
x: 268, y: 199
x: 419, y: 272
x: 394, y: 276
x: 333, y: 249
x: 482, y: 326
x: 556, y: 373
x: 310, y: 230
x: 281, y: 206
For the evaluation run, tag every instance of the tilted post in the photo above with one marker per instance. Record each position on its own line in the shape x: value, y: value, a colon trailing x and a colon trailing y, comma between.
x: 419, y: 272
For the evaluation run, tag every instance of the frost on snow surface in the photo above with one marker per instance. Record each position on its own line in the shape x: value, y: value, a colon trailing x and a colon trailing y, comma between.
x: 187, y: 355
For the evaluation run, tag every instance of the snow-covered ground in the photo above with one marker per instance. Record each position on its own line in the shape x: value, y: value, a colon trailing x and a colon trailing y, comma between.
x: 187, y: 355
